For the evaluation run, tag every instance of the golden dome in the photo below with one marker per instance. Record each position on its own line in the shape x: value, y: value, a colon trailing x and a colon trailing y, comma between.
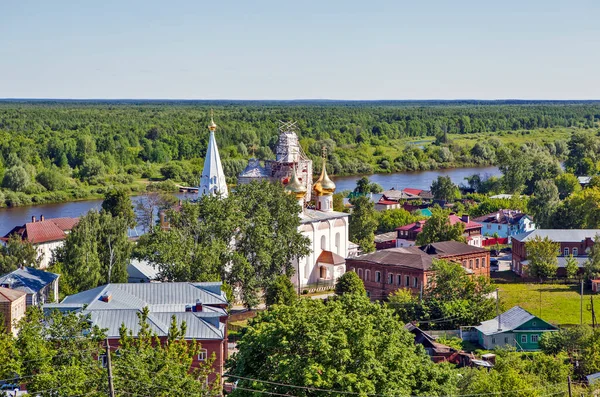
x: 296, y: 187
x: 212, y: 126
x: 324, y: 186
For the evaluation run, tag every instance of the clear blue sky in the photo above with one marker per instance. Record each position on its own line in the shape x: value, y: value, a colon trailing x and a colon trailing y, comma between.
x: 329, y: 49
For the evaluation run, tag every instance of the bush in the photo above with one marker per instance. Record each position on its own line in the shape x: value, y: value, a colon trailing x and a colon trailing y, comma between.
x: 280, y: 291
x: 52, y: 180
x: 349, y: 283
x: 91, y: 168
x: 16, y: 178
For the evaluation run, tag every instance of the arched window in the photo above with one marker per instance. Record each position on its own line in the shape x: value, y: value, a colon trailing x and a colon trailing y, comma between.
x: 360, y: 273
x: 575, y: 252
x: 367, y: 275
x: 323, y: 272
x: 477, y: 263
x: 566, y: 251
x: 337, y: 243
x: 323, y: 242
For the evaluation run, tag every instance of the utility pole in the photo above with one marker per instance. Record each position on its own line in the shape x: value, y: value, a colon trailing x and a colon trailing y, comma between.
x: 593, y: 314
x: 498, y: 309
x: 569, y: 383
x: 111, y: 386
x: 581, y: 305
x: 540, y: 303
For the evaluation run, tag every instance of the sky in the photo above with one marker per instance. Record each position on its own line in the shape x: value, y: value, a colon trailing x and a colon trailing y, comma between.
x: 326, y: 49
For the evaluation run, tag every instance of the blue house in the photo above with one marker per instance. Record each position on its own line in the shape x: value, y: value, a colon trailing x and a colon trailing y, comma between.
x: 505, y: 223
x: 516, y: 327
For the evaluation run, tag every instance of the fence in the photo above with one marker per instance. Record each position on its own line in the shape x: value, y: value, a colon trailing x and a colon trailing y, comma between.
x: 493, y: 241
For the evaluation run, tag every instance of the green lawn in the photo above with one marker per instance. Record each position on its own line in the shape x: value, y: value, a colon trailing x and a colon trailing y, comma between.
x: 559, y: 303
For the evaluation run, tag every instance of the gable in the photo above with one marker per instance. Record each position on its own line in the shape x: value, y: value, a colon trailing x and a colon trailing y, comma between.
x: 535, y: 324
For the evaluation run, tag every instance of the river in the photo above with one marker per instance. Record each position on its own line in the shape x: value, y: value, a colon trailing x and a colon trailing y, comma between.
x: 11, y: 217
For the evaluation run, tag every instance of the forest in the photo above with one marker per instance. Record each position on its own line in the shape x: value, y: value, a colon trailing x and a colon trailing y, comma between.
x: 54, y: 151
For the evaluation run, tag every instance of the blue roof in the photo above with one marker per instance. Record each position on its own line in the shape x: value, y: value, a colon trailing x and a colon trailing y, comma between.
x: 28, y: 279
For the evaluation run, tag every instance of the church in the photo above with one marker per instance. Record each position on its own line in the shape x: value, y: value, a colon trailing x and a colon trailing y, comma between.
x: 326, y: 229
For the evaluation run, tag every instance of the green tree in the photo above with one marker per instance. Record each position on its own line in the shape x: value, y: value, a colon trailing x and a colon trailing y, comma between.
x: 515, y: 167
x: 591, y: 267
x: 406, y: 305
x: 443, y: 189
x: 438, y: 228
x: 363, y: 223
x: 542, y: 254
x: 364, y: 186
x: 347, y: 344
x: 349, y: 283
x: 118, y: 204
x: 544, y: 202
x: 280, y: 291
x: 391, y: 219
x: 16, y: 252
x: 16, y: 178
x: 52, y: 179
x: 567, y: 184
x: 571, y: 267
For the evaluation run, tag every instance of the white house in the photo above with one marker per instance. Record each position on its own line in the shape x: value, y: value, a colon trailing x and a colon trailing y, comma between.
x: 505, y: 223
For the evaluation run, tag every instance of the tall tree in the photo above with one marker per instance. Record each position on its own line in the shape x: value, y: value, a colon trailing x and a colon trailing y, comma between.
x: 542, y: 254
x: 280, y: 291
x: 567, y: 184
x: 391, y: 219
x: 363, y: 223
x: 118, y: 204
x: 16, y: 252
x: 443, y: 189
x: 591, y: 267
x: 571, y: 267
x: 515, y: 168
x: 438, y: 228
x: 349, y: 283
x: 544, y: 202
x: 344, y: 345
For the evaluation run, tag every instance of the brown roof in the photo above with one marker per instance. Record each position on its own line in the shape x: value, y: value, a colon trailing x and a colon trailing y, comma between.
x: 10, y: 295
x: 44, y: 231
x: 383, y: 237
x: 411, y: 257
x: 450, y: 248
x: 331, y: 258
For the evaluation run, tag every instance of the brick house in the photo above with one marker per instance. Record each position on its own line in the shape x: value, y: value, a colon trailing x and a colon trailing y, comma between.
x: 387, y: 270
x: 407, y: 235
x: 12, y: 308
x: 576, y: 242
x: 202, y: 306
x: 46, y: 235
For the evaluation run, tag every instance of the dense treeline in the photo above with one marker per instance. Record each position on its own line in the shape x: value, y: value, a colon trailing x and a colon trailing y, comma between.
x: 55, y: 151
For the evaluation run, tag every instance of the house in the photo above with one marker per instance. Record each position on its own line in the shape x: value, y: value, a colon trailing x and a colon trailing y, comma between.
x: 13, y: 305
x: 505, y: 223
x: 140, y: 271
x: 407, y: 235
x: 424, y: 195
x: 576, y: 242
x: 385, y: 240
x: 387, y: 270
x: 516, y: 327
x: 39, y: 285
x: 46, y: 235
x: 393, y: 199
x: 202, y: 306
x: 584, y: 181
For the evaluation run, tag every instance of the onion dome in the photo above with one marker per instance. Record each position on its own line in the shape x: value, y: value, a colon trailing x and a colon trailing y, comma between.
x: 212, y: 126
x: 296, y: 187
x: 324, y: 186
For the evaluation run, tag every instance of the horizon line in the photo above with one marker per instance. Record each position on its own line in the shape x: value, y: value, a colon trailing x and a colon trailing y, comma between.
x: 296, y: 99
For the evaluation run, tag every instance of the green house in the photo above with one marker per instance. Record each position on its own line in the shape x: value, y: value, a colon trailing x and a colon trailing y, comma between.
x: 515, y: 327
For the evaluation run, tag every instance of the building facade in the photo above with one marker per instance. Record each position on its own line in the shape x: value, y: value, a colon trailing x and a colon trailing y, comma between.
x: 202, y: 306
x: 514, y: 328
x: 13, y: 305
x: 576, y: 242
x: 505, y: 223
x: 385, y: 271
x: 38, y: 285
x: 46, y: 235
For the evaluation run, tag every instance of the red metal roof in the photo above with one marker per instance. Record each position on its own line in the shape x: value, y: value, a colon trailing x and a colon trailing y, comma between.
x: 468, y: 225
x: 417, y: 226
x: 382, y: 201
x: 331, y: 258
x: 65, y: 224
x: 44, y: 231
x: 409, y: 190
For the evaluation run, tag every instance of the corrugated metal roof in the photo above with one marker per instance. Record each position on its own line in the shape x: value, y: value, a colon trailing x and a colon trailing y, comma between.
x: 509, y: 320
x: 558, y: 235
x: 28, y: 279
x: 308, y: 215
x: 10, y: 295
x: 139, y: 270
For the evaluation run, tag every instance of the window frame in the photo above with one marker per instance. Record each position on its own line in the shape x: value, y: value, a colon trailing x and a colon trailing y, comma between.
x: 202, y: 353
x: 524, y: 336
x: 566, y: 251
x: 377, y: 276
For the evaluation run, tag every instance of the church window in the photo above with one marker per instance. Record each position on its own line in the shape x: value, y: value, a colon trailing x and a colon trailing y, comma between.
x: 323, y: 272
x: 337, y: 243
x: 323, y: 242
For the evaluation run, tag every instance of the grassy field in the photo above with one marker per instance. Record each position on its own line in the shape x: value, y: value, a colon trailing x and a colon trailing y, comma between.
x: 559, y: 303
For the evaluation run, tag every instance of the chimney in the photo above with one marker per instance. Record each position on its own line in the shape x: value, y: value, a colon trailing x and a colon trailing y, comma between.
x: 465, y: 218
x: 188, y: 308
x: 32, y: 218
x: 42, y: 218
x: 106, y: 297
x: 198, y: 305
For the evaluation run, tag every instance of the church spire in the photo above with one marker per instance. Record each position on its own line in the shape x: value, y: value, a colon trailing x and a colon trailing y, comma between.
x: 212, y: 180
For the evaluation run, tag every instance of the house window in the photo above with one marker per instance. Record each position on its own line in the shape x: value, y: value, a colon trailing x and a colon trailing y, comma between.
x: 477, y: 263
x: 489, y: 226
x: 407, y: 281
x: 494, y: 341
x: 506, y: 339
x: 399, y: 280
x: 534, y: 323
x: 390, y: 278
x: 203, y: 355
x: 360, y: 273
x: 575, y: 252
x: 566, y: 251
x: 534, y: 338
x: 470, y: 263
x: 415, y: 282
x: 483, y: 262
x: 368, y: 294
x: 367, y: 275
x: 102, y: 359
x: 377, y: 277
x: 499, y: 227
x: 465, y: 264
x: 523, y: 338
